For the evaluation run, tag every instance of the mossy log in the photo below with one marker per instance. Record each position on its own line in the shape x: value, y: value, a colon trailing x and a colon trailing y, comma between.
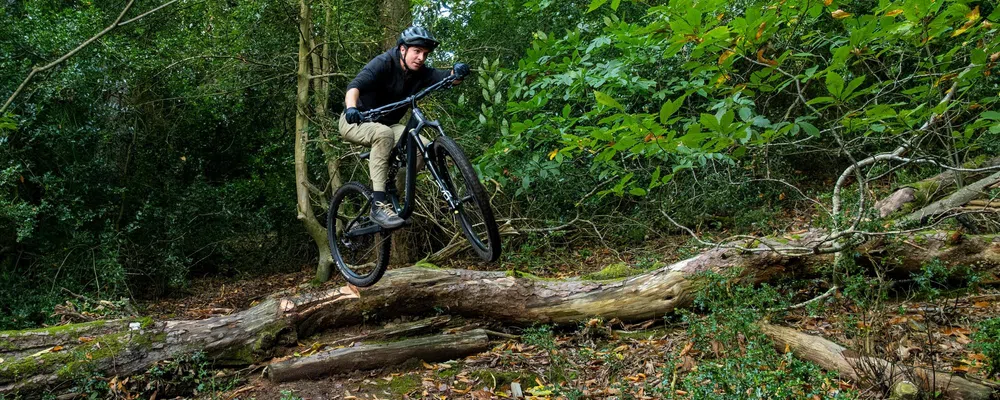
x: 953, y: 201
x: 46, y: 359
x: 127, y: 347
x: 834, y: 357
x: 925, y: 191
x: 370, y: 356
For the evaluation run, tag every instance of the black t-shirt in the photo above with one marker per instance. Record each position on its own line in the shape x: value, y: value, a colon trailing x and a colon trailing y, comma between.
x: 383, y: 81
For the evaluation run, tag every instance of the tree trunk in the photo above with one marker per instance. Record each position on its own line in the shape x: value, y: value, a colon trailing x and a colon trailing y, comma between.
x: 834, y: 357
x: 302, y: 184
x: 127, y: 347
x: 924, y: 191
x: 371, y: 356
x: 951, y: 202
x: 394, y: 16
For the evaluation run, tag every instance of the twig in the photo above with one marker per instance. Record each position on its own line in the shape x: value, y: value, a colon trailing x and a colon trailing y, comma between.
x: 501, y: 334
x: 808, y: 302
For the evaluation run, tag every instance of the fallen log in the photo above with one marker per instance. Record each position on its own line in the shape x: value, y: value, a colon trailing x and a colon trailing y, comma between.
x: 371, y: 356
x: 956, y: 199
x: 127, y: 347
x: 834, y: 357
x: 928, y: 189
x: 392, y: 331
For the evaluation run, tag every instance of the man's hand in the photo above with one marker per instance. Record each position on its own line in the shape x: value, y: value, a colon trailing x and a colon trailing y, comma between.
x: 352, y: 115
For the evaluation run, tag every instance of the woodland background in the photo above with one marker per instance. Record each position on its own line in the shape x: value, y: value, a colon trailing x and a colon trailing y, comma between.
x: 615, y: 137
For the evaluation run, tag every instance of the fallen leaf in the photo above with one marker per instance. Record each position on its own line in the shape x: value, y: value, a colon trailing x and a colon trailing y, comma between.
x: 955, y: 331
x: 86, y: 339
x: 57, y: 348
x: 827, y: 2
x: 760, y: 30
x: 982, y: 304
x: 686, y: 349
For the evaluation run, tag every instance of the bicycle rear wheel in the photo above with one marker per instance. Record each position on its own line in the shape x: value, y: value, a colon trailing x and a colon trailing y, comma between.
x: 359, y: 247
x: 474, y: 213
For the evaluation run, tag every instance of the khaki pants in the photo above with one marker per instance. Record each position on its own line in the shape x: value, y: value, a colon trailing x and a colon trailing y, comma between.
x: 380, y: 138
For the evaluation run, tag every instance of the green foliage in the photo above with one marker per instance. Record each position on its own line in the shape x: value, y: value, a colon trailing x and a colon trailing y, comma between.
x: 739, y: 361
x: 289, y: 395
x: 987, y: 340
x: 157, y: 153
x: 935, y: 277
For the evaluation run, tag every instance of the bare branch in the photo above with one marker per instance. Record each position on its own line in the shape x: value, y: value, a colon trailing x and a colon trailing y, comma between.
x: 117, y: 23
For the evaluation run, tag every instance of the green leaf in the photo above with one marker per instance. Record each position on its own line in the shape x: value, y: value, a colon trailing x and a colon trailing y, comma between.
x: 669, y: 108
x: 810, y: 129
x: 637, y: 191
x: 607, y: 100
x: 835, y: 84
x: 746, y: 114
x: 614, y: 4
x: 595, y: 4
x: 991, y: 115
x: 820, y: 100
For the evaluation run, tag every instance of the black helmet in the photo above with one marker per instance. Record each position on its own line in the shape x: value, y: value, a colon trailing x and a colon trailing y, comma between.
x: 417, y: 36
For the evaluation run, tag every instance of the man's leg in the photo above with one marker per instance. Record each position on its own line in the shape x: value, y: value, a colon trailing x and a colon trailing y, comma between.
x: 380, y: 138
x: 397, y: 132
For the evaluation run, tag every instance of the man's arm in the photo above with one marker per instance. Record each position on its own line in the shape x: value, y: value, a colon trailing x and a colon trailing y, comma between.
x: 351, y: 99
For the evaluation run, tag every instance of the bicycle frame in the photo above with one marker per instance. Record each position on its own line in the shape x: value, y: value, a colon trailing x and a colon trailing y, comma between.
x: 409, y: 145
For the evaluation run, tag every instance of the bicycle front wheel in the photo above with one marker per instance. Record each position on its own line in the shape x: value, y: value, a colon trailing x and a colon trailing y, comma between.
x: 473, y: 212
x: 359, y: 246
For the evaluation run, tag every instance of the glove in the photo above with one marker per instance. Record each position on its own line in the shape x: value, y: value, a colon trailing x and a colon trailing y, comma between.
x: 461, y: 69
x: 352, y: 115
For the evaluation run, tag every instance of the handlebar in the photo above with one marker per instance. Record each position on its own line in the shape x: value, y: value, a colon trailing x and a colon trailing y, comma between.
x: 376, y: 113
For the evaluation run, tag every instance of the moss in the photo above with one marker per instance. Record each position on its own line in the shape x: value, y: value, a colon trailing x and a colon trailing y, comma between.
x: 613, y: 271
x: 56, y: 330
x: 29, y: 366
x: 450, y: 372
x: 426, y: 264
x: 399, y: 385
x: 269, y: 336
x: 145, y: 322
x: 7, y: 345
x: 70, y: 364
x: 528, y: 275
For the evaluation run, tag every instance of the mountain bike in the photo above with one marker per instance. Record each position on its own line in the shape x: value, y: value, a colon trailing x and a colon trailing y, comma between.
x: 359, y: 246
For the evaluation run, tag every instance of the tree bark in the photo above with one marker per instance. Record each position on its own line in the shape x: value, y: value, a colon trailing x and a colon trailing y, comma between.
x: 955, y: 200
x: 302, y: 184
x: 926, y: 190
x: 127, y: 347
x: 394, y: 16
x: 371, y: 356
x: 834, y: 357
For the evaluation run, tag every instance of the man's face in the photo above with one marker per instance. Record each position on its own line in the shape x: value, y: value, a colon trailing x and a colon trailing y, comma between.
x: 414, y: 56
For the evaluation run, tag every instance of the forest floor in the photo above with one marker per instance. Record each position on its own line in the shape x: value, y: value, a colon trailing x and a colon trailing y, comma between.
x: 608, y: 359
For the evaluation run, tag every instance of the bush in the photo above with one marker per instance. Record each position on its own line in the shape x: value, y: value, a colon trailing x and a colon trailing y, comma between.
x: 987, y: 340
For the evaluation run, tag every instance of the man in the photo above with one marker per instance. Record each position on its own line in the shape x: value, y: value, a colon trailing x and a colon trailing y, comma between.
x: 390, y: 77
